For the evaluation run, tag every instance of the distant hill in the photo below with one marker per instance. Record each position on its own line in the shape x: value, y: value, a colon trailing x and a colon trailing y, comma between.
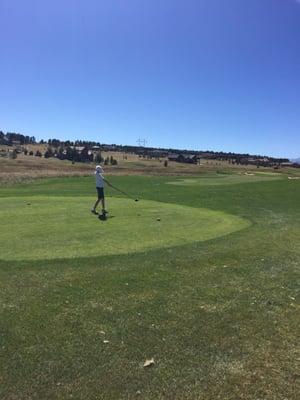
x: 296, y: 160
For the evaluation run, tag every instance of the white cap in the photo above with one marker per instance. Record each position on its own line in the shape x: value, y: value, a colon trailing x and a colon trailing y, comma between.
x: 99, y: 168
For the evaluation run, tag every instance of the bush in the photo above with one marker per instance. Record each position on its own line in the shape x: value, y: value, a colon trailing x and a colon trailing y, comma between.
x: 166, y: 163
x: 14, y: 154
x: 48, y: 153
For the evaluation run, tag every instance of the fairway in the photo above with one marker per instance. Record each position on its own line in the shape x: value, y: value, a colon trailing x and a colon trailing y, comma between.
x: 63, y: 227
x: 210, y: 291
x: 226, y: 179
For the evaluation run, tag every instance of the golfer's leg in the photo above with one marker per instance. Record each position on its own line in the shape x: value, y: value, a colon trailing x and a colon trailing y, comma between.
x: 103, y: 203
x: 96, y: 204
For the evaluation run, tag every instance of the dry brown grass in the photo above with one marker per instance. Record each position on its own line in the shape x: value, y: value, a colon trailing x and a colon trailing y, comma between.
x: 27, y: 168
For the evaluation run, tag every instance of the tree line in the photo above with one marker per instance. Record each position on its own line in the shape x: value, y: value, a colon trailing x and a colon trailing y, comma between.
x: 66, y: 150
x: 10, y: 138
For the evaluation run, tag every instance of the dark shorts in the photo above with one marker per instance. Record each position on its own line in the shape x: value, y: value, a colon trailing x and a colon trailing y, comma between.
x: 100, y: 192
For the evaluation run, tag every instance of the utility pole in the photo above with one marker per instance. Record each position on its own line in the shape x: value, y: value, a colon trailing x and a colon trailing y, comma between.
x: 141, y: 142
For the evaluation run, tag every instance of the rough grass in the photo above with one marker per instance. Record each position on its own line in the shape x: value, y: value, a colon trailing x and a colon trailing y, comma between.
x: 29, y: 168
x: 220, y: 318
x: 25, y: 169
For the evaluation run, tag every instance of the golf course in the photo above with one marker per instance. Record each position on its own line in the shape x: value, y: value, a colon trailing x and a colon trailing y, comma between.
x: 192, y: 292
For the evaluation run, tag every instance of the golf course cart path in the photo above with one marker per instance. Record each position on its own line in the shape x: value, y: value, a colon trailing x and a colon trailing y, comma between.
x: 38, y: 228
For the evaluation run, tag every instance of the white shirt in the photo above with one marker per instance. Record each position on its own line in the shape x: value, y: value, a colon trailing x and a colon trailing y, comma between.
x: 99, y: 179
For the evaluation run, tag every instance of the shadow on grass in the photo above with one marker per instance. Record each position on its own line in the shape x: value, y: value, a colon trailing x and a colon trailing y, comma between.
x: 185, y: 254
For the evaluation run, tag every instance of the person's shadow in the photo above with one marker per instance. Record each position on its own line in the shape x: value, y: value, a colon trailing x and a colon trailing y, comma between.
x: 105, y: 217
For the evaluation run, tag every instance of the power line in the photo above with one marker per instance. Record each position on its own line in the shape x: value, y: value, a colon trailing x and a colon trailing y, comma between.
x: 141, y: 142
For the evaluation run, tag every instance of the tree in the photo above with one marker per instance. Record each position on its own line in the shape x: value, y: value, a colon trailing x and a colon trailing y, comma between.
x: 54, y: 142
x: 98, y: 158
x: 48, y: 153
x: 85, y: 156
x: 114, y: 162
x: 70, y: 154
x: 2, y: 138
x: 166, y: 163
x: 60, y: 153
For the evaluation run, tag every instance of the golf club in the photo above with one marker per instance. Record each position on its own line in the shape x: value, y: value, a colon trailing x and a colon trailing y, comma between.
x: 126, y: 194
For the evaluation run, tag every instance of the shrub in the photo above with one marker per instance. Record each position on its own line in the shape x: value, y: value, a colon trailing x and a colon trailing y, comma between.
x: 48, y: 153
x: 14, y: 154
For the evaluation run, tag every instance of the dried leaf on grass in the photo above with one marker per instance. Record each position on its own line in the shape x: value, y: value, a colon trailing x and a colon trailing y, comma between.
x: 149, y: 363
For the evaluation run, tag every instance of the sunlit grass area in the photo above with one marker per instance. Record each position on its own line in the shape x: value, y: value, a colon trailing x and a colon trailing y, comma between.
x: 219, y: 317
x: 63, y: 227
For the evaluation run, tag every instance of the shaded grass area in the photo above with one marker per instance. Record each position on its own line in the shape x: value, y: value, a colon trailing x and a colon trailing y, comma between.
x: 220, y: 318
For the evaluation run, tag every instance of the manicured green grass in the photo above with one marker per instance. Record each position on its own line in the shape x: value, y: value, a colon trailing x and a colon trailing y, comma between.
x: 227, y: 179
x: 63, y: 227
x: 220, y: 317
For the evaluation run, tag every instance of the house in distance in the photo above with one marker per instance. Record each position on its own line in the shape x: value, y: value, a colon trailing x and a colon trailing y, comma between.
x: 184, y: 158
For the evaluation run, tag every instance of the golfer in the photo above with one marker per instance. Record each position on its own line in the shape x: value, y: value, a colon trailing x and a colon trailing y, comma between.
x: 100, y: 190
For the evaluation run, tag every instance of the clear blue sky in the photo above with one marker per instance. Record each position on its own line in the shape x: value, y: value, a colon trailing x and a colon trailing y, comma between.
x: 196, y: 74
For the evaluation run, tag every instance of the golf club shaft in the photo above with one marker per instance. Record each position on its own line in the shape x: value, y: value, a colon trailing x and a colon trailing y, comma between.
x: 121, y: 191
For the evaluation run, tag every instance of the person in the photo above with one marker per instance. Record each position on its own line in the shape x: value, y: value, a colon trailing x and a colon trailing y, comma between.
x: 100, y: 180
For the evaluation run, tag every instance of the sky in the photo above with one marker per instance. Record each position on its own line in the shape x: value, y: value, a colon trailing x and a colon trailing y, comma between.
x: 220, y: 75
